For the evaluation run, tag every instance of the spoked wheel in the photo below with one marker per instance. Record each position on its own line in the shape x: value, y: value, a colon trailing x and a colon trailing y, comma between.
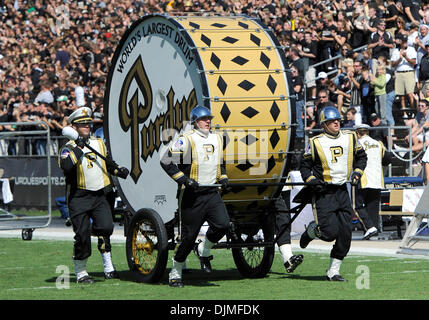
x: 255, y: 261
x: 146, y: 246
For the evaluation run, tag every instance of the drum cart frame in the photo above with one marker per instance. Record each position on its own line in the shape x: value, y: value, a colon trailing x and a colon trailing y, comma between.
x: 206, y: 63
x: 148, y: 238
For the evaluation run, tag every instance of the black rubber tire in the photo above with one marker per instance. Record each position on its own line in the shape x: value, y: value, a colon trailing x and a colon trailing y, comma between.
x: 27, y: 234
x: 147, y: 252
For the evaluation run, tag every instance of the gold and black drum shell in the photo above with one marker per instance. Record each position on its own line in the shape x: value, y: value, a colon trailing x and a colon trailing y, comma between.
x: 239, y: 73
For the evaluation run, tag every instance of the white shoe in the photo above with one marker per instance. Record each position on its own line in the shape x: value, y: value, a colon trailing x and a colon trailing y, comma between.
x: 370, y: 233
x: 399, y: 148
x: 401, y: 151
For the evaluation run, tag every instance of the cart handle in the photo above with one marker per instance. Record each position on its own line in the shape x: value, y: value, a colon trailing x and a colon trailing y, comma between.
x: 256, y: 184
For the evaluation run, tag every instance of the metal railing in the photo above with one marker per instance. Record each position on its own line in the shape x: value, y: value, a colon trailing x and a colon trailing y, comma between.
x: 11, y: 221
x: 337, y: 57
x: 25, y: 144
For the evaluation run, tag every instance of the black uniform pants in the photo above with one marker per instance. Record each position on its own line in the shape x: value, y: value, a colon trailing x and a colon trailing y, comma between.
x: 333, y: 214
x: 84, y: 205
x: 283, y: 226
x: 368, y: 206
x: 197, y: 208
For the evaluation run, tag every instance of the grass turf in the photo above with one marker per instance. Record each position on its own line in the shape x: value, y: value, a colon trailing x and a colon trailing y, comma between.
x: 29, y: 271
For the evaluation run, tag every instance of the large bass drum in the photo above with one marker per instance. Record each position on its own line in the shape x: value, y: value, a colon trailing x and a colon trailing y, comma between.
x: 165, y: 66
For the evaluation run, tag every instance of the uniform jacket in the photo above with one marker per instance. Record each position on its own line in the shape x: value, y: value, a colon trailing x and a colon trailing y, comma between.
x: 377, y: 157
x: 333, y: 158
x: 196, y: 156
x: 83, y: 169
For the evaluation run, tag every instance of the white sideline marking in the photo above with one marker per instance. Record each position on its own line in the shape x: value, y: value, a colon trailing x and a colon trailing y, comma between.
x: 119, y: 263
x: 134, y: 283
x: 36, y: 288
x: 359, y: 251
x: 384, y: 260
x: 393, y: 272
x: 25, y: 267
x: 75, y: 285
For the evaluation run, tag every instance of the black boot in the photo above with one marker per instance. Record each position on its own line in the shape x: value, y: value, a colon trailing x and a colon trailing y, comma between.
x: 336, y: 277
x: 293, y: 262
x: 176, y: 283
x: 85, y: 279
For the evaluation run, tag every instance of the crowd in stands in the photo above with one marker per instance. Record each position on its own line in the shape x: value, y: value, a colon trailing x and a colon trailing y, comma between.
x: 55, y: 56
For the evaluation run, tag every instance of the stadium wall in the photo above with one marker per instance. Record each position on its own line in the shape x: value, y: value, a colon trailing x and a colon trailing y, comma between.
x: 29, y: 181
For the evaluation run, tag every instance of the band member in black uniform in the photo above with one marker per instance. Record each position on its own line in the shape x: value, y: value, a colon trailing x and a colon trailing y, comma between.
x: 87, y: 182
x: 330, y: 160
x: 195, y: 162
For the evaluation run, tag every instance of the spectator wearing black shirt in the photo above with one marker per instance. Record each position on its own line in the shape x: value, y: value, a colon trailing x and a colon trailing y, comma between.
x: 348, y: 26
x: 4, y: 144
x: 400, y: 27
x: 377, y: 134
x: 333, y: 92
x: 412, y: 11
x: 344, y: 94
x: 287, y: 30
x: 296, y: 60
x: 327, y: 41
x: 61, y: 90
x: 340, y: 34
x: 309, y: 51
x: 381, y: 42
x: 360, y: 24
x: 348, y: 11
x: 270, y: 6
x: 367, y: 96
x: 373, y: 19
x: 323, y: 101
x: 278, y: 30
x: 36, y: 74
x: 86, y: 55
x: 390, y: 16
x: 355, y: 77
x: 424, y: 67
x: 298, y: 86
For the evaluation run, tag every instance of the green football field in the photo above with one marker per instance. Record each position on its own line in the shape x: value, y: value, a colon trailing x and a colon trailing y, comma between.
x: 40, y: 270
